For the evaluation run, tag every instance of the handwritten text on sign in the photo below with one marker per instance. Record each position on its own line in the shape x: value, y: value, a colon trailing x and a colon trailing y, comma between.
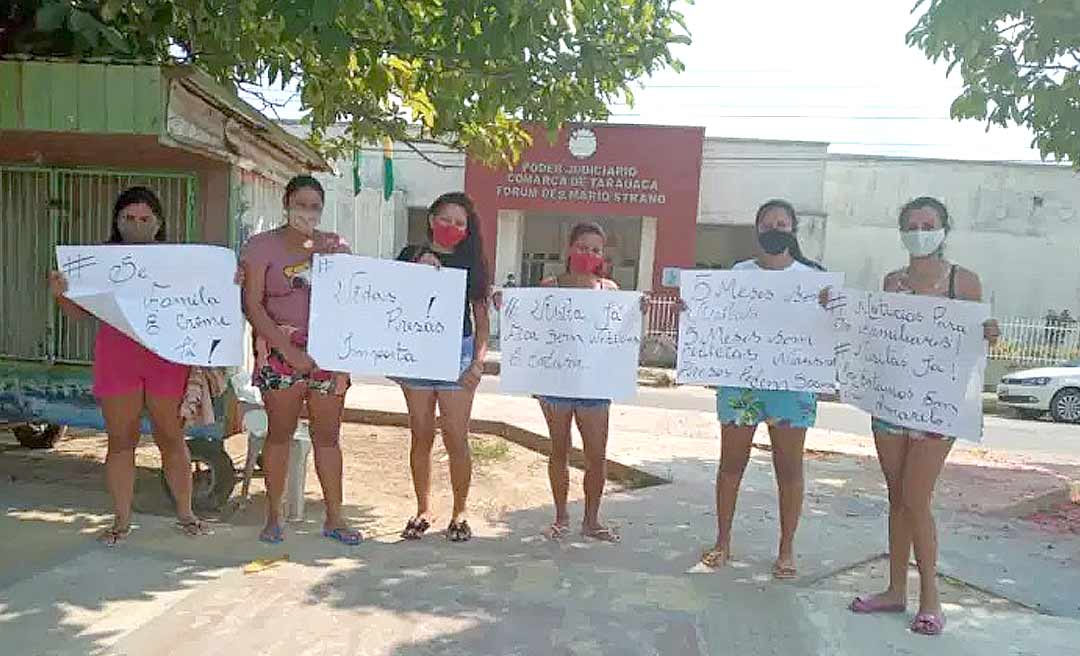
x: 757, y: 329
x: 577, y: 343
x: 371, y: 316
x: 179, y: 301
x: 914, y: 361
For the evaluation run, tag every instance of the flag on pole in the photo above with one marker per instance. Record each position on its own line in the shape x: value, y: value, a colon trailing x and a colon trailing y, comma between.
x: 388, y: 168
x: 357, y: 157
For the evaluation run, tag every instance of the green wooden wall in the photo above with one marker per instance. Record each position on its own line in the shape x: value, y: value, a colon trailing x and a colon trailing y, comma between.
x: 56, y: 96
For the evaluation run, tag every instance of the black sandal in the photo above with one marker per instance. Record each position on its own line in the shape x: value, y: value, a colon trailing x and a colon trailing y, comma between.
x: 459, y: 531
x: 415, y: 528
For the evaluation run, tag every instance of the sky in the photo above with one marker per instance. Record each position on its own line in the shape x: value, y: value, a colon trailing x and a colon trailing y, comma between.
x: 836, y: 71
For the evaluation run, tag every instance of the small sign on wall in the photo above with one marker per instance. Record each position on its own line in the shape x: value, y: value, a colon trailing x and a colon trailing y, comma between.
x: 670, y: 277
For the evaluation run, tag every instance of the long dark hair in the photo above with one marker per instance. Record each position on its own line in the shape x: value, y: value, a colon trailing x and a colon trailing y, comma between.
x: 301, y: 182
x: 472, y: 247
x: 582, y: 229
x: 796, y: 252
x: 413, y: 253
x: 135, y: 196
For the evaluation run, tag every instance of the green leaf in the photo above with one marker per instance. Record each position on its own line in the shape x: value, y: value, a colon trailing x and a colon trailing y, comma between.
x: 52, y: 16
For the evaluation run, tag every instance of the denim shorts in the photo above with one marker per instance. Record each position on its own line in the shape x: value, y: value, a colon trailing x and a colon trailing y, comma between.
x: 467, y: 345
x: 566, y: 401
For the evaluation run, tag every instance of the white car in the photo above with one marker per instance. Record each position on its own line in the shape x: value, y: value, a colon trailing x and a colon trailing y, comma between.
x: 1034, y: 392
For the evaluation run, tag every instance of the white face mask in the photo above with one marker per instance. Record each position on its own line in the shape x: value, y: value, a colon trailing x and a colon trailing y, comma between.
x: 304, y: 221
x: 922, y: 243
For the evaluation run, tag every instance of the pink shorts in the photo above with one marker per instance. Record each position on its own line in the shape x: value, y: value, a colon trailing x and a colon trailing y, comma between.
x: 123, y: 366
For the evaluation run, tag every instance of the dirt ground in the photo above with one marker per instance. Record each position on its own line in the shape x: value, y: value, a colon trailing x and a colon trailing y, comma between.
x: 378, y: 488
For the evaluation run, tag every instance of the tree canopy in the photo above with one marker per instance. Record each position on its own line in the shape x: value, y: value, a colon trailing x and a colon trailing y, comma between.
x: 1020, y: 62
x: 465, y: 72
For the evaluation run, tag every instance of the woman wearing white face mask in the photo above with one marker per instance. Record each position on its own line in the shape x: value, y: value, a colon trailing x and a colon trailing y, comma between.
x: 910, y: 459
x: 277, y: 295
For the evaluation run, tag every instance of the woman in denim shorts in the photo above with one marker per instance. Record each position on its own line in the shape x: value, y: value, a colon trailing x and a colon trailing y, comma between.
x: 585, y: 269
x: 453, y: 241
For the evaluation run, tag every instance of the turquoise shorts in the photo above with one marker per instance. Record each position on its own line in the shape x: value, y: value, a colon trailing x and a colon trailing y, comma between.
x: 740, y: 406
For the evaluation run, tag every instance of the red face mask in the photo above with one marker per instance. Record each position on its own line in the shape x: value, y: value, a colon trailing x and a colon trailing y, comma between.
x: 447, y: 235
x: 583, y: 262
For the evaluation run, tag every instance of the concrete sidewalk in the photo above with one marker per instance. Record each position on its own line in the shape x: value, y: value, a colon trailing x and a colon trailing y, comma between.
x: 512, y: 592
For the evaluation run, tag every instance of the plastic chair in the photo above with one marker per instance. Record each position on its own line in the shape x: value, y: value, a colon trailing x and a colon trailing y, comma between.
x: 256, y: 423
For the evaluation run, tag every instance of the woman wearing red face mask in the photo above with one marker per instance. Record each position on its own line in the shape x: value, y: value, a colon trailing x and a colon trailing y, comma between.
x: 454, y: 236
x: 586, y: 268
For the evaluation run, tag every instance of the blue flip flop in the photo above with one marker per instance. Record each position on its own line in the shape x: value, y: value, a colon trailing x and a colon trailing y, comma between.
x: 346, y: 536
x: 273, y: 535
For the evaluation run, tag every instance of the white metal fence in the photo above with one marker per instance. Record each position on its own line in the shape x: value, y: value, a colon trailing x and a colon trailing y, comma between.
x: 1037, y: 342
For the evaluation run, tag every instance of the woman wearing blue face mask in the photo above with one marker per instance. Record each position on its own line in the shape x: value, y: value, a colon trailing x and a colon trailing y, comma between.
x: 911, y: 459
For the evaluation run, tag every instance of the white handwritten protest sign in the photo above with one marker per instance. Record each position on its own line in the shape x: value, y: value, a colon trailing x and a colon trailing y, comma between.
x: 757, y: 329
x: 914, y: 361
x: 577, y: 343
x: 178, y: 300
x: 384, y: 317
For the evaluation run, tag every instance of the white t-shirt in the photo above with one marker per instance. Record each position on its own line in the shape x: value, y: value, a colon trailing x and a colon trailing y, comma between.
x: 752, y: 265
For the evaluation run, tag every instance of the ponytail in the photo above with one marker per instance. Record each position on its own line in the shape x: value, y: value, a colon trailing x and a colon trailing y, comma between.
x: 795, y: 251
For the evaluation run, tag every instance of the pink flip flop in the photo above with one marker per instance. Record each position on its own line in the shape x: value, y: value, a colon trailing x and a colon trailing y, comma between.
x: 869, y: 605
x: 928, y: 624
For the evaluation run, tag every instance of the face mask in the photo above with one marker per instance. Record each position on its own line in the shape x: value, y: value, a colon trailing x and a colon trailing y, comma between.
x: 922, y: 243
x: 447, y: 235
x: 304, y: 221
x: 775, y: 242
x: 585, y: 263
x: 138, y: 232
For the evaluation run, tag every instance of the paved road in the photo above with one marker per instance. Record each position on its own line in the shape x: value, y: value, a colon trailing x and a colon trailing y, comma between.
x: 1035, y: 438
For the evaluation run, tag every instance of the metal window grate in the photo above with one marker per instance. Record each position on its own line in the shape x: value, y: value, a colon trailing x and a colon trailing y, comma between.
x: 40, y: 208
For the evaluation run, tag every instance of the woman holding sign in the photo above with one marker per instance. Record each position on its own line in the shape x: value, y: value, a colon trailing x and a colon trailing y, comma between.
x: 787, y: 414
x: 586, y: 268
x: 129, y: 378
x: 454, y: 240
x: 911, y: 460
x: 277, y: 296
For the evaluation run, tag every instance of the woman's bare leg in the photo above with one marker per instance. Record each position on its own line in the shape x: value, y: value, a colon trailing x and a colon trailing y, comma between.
x: 283, y: 409
x: 122, y: 415
x: 325, y: 412
x: 593, y: 424
x: 558, y: 421
x: 421, y: 404
x: 175, y: 457
x: 787, y: 456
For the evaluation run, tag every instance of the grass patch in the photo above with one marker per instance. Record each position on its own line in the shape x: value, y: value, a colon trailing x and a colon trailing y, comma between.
x: 486, y: 450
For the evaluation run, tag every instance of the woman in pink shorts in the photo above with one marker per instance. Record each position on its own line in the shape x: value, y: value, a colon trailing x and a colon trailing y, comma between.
x: 129, y: 378
x: 277, y: 297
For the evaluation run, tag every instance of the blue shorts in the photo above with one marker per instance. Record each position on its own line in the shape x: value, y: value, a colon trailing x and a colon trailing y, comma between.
x: 467, y: 346
x: 749, y: 407
x: 566, y: 401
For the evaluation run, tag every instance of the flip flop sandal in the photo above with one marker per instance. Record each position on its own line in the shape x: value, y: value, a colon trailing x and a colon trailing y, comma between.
x: 459, y: 531
x: 272, y: 535
x: 869, y: 605
x: 603, y: 534
x: 415, y: 528
x: 193, y: 528
x: 784, y: 572
x: 557, y: 532
x: 928, y: 624
x: 344, y: 535
x: 715, y: 558
x: 113, y: 536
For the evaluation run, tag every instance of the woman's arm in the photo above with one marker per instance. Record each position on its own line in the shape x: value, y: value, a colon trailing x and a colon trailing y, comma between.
x: 969, y: 288
x: 58, y: 286
x: 481, y: 335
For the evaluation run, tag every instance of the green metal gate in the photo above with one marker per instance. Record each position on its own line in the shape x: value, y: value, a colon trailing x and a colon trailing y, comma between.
x: 43, y: 207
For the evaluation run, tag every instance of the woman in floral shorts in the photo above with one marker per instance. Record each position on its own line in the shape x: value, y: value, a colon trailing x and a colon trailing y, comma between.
x: 277, y: 295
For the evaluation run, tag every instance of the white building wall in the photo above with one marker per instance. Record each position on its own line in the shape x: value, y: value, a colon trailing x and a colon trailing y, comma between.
x: 737, y: 176
x: 1016, y: 225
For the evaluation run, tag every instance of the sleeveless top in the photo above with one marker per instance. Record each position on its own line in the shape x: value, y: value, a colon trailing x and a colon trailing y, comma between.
x: 903, y: 288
